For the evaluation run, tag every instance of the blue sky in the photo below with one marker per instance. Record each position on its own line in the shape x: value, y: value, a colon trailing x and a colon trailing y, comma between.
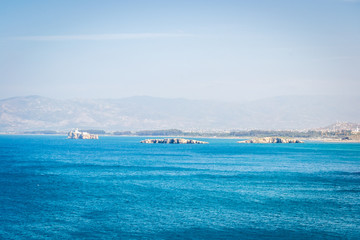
x: 221, y: 50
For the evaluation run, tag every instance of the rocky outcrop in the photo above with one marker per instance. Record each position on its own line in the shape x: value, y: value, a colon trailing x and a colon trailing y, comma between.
x: 272, y: 140
x: 173, y: 141
x: 76, y: 134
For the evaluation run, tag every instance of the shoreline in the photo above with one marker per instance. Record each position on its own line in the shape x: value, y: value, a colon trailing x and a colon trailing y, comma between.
x: 320, y: 140
x: 327, y: 140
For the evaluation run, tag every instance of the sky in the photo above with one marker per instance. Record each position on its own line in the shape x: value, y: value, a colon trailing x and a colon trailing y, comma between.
x: 214, y: 49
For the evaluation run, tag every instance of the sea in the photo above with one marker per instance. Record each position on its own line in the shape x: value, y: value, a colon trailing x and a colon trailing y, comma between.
x: 118, y: 188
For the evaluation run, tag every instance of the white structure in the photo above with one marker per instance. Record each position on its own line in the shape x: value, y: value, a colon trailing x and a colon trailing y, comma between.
x: 76, y: 134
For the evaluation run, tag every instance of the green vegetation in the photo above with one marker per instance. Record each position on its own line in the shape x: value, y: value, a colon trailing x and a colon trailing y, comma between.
x: 249, y: 133
x: 339, y: 134
x: 295, y: 134
x: 126, y: 133
x: 169, y: 132
x: 41, y: 132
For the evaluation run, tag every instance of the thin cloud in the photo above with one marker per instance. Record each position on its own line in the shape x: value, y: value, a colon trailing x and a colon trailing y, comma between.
x: 97, y: 37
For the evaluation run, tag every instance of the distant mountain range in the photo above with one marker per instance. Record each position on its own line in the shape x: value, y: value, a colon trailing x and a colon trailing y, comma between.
x: 138, y: 113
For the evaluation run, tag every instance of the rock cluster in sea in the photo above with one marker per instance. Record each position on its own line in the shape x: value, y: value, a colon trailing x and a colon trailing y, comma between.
x: 173, y: 141
x: 271, y: 140
x: 76, y: 134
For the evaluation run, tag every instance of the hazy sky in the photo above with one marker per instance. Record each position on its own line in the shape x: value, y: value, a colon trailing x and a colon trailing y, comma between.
x: 229, y: 50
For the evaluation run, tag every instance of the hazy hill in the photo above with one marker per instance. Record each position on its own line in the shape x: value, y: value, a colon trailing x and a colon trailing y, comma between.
x: 136, y: 113
x: 340, y: 126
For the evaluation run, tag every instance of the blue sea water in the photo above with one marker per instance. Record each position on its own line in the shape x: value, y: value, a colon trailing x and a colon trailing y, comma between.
x: 117, y: 188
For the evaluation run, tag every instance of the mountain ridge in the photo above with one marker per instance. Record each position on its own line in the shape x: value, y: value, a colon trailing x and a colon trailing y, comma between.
x: 145, y: 112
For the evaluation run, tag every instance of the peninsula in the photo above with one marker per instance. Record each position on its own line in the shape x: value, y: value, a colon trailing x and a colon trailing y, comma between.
x: 173, y: 141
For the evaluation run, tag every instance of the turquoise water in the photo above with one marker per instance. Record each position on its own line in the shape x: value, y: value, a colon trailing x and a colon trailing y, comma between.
x: 117, y: 188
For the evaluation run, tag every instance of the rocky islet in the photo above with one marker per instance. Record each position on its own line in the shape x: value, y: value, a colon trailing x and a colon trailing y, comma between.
x: 173, y: 141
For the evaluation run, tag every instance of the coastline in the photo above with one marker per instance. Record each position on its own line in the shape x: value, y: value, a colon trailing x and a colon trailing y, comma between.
x: 320, y: 140
x: 329, y: 140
